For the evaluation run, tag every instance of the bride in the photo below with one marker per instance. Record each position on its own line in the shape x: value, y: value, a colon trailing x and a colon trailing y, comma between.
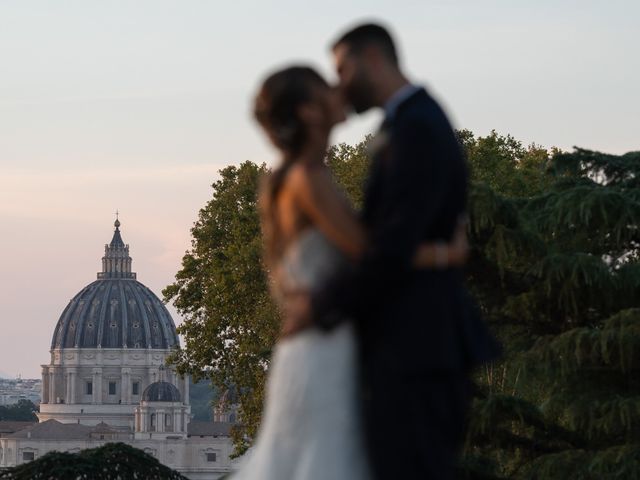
x: 311, y: 423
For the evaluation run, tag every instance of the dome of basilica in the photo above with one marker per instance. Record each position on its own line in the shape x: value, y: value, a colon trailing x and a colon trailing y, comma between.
x: 161, y: 392
x: 115, y: 311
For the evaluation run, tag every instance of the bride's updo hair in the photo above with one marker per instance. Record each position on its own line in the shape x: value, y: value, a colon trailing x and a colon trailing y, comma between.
x: 277, y: 104
x: 277, y: 111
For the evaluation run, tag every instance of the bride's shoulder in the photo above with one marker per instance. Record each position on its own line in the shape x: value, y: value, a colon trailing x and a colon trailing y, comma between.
x: 306, y: 177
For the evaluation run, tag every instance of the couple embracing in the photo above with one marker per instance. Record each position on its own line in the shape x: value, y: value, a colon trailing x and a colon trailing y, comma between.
x: 370, y: 379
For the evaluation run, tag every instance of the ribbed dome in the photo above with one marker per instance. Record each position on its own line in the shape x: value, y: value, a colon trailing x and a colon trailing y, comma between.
x: 115, y: 311
x: 161, y: 392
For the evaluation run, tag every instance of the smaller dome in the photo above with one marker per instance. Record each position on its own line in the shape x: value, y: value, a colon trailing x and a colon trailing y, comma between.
x: 161, y: 392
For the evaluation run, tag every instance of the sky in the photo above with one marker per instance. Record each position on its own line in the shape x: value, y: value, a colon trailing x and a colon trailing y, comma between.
x: 135, y: 106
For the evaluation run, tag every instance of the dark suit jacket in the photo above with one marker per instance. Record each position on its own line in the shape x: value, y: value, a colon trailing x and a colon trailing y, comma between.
x: 409, y: 319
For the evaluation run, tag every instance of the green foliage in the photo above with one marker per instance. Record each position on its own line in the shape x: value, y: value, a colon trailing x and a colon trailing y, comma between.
x: 613, y: 463
x: 614, y: 346
x: 505, y: 165
x: 113, y: 461
x: 23, y: 411
x: 349, y: 165
x: 230, y: 321
x: 555, y: 269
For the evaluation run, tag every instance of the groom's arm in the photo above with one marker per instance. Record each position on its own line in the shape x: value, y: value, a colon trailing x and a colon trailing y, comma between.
x: 416, y: 185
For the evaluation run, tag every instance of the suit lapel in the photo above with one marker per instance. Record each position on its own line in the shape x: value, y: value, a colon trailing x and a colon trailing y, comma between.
x: 379, y: 151
x: 380, y: 154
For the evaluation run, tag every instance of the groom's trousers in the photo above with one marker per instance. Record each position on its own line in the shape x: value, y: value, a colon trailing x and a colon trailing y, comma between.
x: 415, y: 424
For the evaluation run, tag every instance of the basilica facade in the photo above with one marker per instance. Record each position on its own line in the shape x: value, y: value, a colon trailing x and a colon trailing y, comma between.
x: 108, y: 380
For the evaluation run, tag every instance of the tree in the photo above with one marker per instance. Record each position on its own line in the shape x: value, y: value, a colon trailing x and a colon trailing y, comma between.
x: 555, y: 269
x: 349, y: 165
x: 230, y: 322
x: 23, y: 411
x: 112, y: 461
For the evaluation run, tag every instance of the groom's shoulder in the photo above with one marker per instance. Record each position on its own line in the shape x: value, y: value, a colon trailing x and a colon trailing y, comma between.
x: 416, y: 102
x: 422, y: 109
x: 419, y: 106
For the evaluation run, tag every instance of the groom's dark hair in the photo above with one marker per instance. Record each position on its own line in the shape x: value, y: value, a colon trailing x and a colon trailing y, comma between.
x: 367, y: 35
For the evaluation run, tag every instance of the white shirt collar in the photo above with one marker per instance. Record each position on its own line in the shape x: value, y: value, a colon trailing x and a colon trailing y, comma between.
x: 398, y: 98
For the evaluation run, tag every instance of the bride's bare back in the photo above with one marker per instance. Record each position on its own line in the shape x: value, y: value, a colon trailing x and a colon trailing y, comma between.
x: 309, y: 197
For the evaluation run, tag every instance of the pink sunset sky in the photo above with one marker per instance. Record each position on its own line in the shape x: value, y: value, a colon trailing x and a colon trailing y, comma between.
x: 136, y: 105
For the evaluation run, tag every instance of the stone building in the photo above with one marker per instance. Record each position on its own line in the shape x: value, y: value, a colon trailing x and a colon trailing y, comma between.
x: 107, y: 380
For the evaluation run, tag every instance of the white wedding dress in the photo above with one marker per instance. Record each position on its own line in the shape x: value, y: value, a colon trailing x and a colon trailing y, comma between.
x: 311, y: 426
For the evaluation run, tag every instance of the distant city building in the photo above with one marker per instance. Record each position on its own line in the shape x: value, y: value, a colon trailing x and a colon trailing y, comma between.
x: 14, y: 390
x: 107, y: 381
x: 227, y: 408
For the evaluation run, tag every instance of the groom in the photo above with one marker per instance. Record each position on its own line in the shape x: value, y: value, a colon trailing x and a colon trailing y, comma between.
x: 419, y: 332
